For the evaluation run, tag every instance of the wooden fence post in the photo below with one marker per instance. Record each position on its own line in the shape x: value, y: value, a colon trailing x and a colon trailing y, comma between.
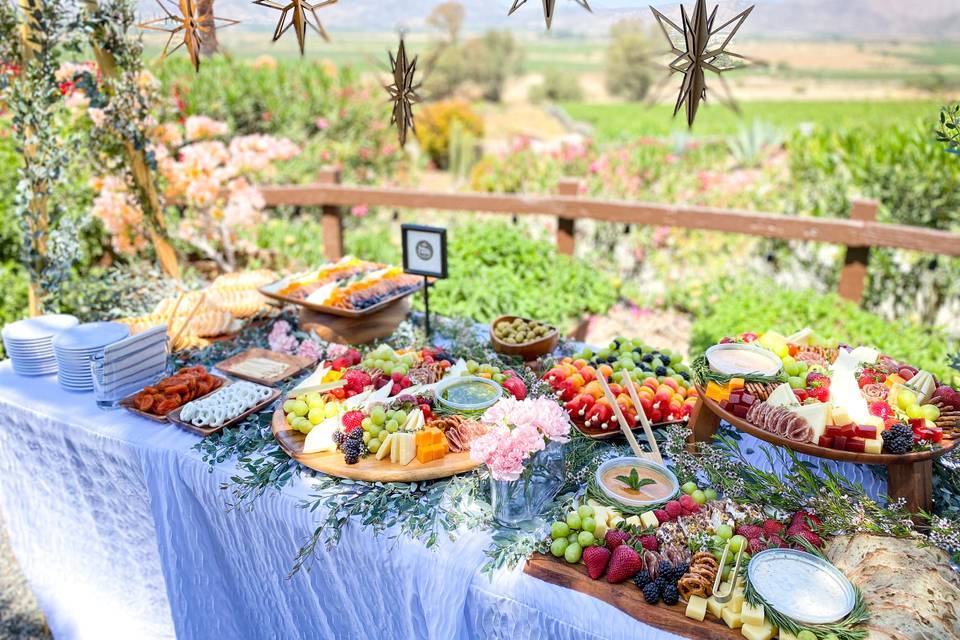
x: 853, y: 276
x: 566, y: 227
x: 330, y: 220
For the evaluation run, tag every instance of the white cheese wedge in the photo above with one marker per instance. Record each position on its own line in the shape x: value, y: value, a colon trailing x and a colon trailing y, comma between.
x: 406, y: 443
x: 314, y: 379
x: 801, y: 337
x: 782, y: 396
x: 817, y: 415
x: 844, y: 390
x: 865, y: 354
x: 385, y: 447
x: 320, y: 295
x: 320, y: 438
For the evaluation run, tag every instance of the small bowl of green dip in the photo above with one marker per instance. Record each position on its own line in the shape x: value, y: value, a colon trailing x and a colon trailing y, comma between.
x: 469, y: 394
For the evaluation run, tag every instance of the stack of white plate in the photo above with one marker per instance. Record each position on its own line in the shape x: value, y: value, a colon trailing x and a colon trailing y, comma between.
x: 74, y: 348
x: 29, y: 343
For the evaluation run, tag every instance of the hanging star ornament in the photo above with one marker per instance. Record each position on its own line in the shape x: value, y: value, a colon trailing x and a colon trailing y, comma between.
x: 403, y: 91
x: 699, y: 53
x: 549, y: 7
x: 188, y: 21
x: 299, y: 14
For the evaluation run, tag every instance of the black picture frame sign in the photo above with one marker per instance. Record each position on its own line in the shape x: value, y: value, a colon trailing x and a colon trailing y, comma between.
x: 424, y: 254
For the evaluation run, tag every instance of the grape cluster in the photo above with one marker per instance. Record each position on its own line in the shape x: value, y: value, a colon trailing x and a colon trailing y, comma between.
x: 898, y: 439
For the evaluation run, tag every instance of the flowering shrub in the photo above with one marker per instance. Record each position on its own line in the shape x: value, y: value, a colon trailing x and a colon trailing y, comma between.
x: 212, y: 179
x: 519, y: 429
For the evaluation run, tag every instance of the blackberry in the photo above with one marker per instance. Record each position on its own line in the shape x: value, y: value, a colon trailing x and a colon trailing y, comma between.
x: 651, y: 593
x: 898, y: 439
x: 339, y: 437
x: 680, y: 570
x: 664, y: 569
x: 642, y: 579
x: 671, y: 595
x: 662, y: 582
x: 648, y: 357
x: 685, y: 376
x: 353, y: 448
x: 661, y: 371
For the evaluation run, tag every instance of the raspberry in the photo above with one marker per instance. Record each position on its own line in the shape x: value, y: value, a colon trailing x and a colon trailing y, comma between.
x: 673, y: 509
x: 749, y: 531
x: 351, y: 420
x: 650, y: 543
x: 662, y: 516
x: 687, y: 502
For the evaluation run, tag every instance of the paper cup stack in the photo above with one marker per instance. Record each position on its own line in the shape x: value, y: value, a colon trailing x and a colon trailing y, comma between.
x: 75, y: 347
x: 29, y: 343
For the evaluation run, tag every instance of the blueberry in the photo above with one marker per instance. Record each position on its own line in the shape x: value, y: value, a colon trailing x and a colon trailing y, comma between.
x: 638, y: 350
x: 661, y: 371
x: 612, y: 359
x: 648, y: 357
x: 685, y: 376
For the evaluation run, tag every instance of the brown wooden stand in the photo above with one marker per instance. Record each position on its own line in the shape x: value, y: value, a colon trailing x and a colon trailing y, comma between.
x: 356, y: 330
x: 909, y: 476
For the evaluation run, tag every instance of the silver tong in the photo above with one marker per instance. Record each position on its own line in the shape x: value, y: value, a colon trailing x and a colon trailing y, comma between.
x: 724, y: 598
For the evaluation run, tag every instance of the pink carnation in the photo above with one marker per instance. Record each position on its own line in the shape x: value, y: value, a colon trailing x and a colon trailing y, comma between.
x: 280, y: 338
x: 309, y: 349
x: 520, y: 428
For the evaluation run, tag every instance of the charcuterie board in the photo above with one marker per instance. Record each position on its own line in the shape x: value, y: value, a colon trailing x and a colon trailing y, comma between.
x: 368, y: 469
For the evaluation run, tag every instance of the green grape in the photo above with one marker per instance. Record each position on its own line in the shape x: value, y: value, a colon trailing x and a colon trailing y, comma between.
x: 374, y: 445
x: 378, y: 416
x: 392, y: 426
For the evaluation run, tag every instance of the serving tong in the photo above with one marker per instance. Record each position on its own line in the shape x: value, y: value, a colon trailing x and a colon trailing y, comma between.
x: 654, y: 454
x: 723, y: 598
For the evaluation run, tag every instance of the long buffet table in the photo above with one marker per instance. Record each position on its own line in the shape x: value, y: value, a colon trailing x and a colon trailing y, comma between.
x: 122, y: 532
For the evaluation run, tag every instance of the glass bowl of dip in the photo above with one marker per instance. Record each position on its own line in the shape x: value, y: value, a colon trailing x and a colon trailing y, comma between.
x: 665, y: 487
x: 468, y: 393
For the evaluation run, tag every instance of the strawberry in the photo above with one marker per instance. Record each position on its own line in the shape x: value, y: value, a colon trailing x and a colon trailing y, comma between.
x: 516, y: 387
x: 807, y: 518
x: 796, y: 529
x: 357, y: 380
x: 425, y: 410
x: 596, y: 560
x: 650, y: 543
x: 756, y: 545
x: 340, y: 364
x: 771, y: 526
x: 354, y: 356
x: 750, y: 531
x: 351, y: 420
x: 615, y: 538
x: 662, y: 516
x: 776, y: 541
x: 673, y: 508
x: 624, y: 564
x: 812, y: 538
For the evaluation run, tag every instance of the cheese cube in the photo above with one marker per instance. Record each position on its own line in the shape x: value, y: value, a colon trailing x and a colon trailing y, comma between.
x: 736, y: 601
x: 732, y: 618
x: 765, y: 631
x: 649, y: 520
x: 696, y: 608
x: 873, y: 446
x: 615, y: 521
x: 841, y: 416
x: 714, y: 607
x: 752, y: 614
x: 634, y: 521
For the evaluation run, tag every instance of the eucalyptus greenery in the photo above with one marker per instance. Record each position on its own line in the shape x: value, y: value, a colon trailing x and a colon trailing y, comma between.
x: 949, y: 129
x: 35, y: 35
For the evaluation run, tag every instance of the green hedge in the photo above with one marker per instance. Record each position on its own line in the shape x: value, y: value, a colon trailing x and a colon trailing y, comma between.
x: 761, y: 306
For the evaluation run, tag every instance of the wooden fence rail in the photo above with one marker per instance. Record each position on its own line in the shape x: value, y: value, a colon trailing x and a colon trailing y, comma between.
x: 858, y: 233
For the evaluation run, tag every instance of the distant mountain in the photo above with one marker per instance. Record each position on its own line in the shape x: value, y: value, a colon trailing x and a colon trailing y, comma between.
x: 807, y: 19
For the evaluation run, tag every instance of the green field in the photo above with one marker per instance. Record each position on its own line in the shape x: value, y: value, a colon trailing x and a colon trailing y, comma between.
x: 629, y: 121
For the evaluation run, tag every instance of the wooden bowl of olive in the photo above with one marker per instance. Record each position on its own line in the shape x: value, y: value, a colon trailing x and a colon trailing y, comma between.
x: 523, y: 337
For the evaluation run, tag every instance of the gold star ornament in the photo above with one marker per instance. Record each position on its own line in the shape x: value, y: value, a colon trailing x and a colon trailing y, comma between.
x: 297, y: 14
x: 403, y: 91
x: 187, y: 21
x: 704, y: 48
x: 549, y: 7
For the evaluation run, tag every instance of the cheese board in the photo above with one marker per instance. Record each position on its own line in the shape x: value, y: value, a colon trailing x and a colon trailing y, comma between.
x: 367, y: 469
x: 628, y: 599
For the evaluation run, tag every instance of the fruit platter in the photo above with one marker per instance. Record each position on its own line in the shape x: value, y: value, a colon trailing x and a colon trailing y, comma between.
x: 391, y: 416
x: 704, y: 566
x: 835, y: 402
x: 665, y: 389
x: 349, y: 287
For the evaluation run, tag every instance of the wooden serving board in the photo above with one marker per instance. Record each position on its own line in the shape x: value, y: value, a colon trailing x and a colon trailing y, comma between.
x: 292, y: 365
x: 626, y: 597
x: 823, y: 452
x: 174, y: 417
x: 337, y: 311
x: 368, y: 469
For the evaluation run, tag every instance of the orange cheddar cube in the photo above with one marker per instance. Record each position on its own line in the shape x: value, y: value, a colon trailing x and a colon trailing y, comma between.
x: 430, y: 452
x: 735, y: 384
x: 430, y: 435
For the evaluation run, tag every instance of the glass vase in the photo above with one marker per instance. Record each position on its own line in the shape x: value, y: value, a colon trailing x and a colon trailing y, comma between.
x: 517, y: 501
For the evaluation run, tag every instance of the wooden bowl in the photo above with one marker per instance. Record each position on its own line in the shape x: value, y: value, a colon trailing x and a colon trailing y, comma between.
x: 528, y: 350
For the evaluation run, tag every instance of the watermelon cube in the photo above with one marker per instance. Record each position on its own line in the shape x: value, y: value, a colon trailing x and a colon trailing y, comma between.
x: 866, y: 431
x: 826, y: 441
x: 856, y: 445
x: 840, y: 442
x: 937, y: 434
x: 918, y: 423
x: 748, y: 399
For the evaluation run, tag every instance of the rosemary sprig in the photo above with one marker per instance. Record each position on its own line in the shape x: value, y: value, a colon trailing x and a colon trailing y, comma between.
x: 702, y: 374
x: 845, y: 629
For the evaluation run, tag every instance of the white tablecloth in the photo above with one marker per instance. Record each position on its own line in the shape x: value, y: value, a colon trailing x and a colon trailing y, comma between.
x: 122, y: 532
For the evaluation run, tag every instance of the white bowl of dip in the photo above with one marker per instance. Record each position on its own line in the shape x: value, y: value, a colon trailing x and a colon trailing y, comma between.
x: 737, y: 359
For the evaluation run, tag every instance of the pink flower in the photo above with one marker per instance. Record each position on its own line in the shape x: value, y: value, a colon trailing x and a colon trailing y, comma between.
x: 520, y: 428
x: 280, y: 338
x: 321, y: 123
x: 336, y: 350
x: 360, y: 210
x: 309, y: 349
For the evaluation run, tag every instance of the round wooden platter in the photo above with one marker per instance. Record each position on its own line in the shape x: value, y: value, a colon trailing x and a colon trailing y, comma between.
x: 823, y: 452
x: 368, y: 469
